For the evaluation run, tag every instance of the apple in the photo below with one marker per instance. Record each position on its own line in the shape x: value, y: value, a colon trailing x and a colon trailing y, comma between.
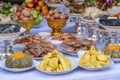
x: 29, y: 5
x: 19, y: 9
x: 35, y: 2
x: 28, y: 1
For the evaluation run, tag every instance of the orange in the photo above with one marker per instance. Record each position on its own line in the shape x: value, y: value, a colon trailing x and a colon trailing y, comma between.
x: 45, y: 11
x: 44, y: 7
x: 41, y: 3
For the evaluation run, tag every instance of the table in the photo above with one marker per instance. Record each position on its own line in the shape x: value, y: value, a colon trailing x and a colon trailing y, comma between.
x: 112, y: 73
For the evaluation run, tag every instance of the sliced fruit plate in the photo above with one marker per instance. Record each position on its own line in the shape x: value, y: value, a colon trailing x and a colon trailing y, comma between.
x: 55, y: 63
x: 97, y: 69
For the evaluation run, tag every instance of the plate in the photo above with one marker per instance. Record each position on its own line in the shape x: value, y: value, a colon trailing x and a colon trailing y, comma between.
x: 74, y: 64
x: 113, y: 28
x: 116, y: 59
x: 2, y: 65
x: 39, y: 58
x: 74, y: 14
x: 55, y: 5
x: 89, y: 21
x: 97, y: 69
x: 69, y: 53
x: 12, y: 35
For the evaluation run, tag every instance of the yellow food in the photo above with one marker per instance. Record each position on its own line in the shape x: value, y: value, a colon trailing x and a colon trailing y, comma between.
x: 113, y: 47
x: 18, y: 55
x: 55, y: 61
x: 94, y: 59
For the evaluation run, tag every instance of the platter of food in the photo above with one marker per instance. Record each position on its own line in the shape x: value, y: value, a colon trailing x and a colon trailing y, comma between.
x: 9, y: 31
x: 91, y: 13
x: 54, y: 3
x: 95, y: 60
x: 56, y: 64
x: 114, y: 51
x: 17, y: 62
x: 107, y: 26
x: 36, y: 46
x: 72, y: 47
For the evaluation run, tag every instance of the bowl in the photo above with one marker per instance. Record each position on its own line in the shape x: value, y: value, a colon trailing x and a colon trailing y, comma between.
x: 44, y: 34
x: 56, y: 26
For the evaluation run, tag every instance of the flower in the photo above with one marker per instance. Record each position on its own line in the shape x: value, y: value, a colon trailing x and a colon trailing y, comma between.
x: 109, y: 1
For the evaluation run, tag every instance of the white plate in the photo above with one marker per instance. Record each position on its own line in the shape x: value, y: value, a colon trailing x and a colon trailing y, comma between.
x: 89, y: 21
x: 74, y: 66
x: 113, y: 28
x: 55, y: 5
x: 2, y: 65
x: 75, y: 14
x: 97, y: 69
x: 12, y: 35
x: 116, y: 59
x: 39, y: 58
x: 69, y: 53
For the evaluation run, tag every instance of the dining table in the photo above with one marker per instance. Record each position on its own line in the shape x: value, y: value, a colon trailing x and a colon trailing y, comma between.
x: 110, y: 73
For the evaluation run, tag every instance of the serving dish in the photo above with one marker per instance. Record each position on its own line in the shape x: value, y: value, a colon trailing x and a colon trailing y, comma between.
x: 112, y: 28
x: 97, y: 69
x: 3, y: 66
x: 74, y: 66
x: 12, y: 35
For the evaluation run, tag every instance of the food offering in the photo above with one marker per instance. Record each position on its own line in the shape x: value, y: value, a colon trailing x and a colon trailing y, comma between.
x: 92, y: 13
x: 107, y: 20
x: 94, y: 59
x: 73, y: 46
x: 65, y: 37
x: 18, y: 60
x: 56, y: 63
x: 37, y: 6
x: 5, y: 19
x: 56, y: 21
x: 76, y: 6
x: 113, y: 50
x: 52, y: 1
x: 36, y: 45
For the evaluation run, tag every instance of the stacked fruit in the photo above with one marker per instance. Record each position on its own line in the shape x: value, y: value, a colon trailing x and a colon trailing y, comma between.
x: 37, y: 5
x: 55, y: 14
x: 55, y: 61
x: 94, y: 59
x: 22, y: 15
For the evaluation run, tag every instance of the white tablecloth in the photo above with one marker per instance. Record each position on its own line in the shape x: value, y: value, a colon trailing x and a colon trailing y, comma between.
x: 112, y: 73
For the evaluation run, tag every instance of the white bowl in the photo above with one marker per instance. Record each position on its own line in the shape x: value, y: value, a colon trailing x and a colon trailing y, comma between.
x: 18, y: 47
x: 44, y: 34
